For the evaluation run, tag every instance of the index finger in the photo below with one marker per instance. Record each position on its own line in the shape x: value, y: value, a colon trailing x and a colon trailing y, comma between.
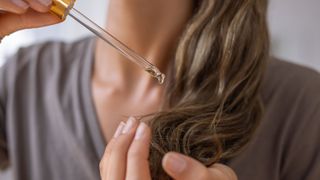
x: 138, y: 164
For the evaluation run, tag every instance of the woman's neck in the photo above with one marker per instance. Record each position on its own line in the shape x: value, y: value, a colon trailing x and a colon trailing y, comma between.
x: 151, y: 28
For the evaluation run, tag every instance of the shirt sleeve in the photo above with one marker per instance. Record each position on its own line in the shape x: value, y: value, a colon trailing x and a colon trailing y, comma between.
x: 3, y: 142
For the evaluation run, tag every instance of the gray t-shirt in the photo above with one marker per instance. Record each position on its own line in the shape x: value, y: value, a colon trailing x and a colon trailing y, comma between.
x: 49, y: 127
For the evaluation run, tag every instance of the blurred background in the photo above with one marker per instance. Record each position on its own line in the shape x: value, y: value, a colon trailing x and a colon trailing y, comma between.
x: 294, y: 29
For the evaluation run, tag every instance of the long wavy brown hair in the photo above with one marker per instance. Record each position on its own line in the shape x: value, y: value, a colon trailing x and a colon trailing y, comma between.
x: 212, y: 104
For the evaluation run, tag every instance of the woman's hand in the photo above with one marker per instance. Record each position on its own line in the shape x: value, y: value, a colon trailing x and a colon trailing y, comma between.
x: 126, y: 158
x: 21, y: 14
x: 181, y: 167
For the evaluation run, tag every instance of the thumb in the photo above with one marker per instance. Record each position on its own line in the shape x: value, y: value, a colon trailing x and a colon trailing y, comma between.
x: 181, y: 167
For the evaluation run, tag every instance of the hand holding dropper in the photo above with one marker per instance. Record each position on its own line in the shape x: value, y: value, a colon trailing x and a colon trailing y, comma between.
x: 63, y: 8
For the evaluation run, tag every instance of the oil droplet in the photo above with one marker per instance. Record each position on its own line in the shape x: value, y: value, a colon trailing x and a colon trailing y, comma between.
x: 161, y: 77
x: 154, y: 72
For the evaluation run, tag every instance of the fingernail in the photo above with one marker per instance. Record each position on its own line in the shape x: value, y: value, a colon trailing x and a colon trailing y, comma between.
x: 119, y: 130
x: 176, y: 163
x: 140, y: 131
x: 129, y: 125
x: 45, y: 2
x: 21, y: 4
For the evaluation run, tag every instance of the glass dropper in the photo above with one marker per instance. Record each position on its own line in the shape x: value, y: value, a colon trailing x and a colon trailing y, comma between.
x: 62, y: 8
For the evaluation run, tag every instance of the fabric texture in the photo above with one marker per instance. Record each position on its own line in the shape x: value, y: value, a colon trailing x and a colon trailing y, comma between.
x: 49, y: 127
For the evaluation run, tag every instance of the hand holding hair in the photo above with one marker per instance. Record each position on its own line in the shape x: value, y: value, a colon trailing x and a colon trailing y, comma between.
x: 126, y: 158
x: 181, y: 167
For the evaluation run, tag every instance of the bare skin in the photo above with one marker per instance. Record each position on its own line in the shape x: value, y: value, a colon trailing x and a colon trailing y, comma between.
x: 126, y: 157
x: 120, y: 88
x: 152, y: 31
x: 19, y: 14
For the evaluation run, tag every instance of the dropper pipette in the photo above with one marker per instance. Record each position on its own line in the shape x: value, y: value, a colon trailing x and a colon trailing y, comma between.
x: 62, y: 8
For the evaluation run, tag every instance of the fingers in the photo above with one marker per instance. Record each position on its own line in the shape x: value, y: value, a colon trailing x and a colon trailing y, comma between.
x: 138, y: 164
x: 126, y: 156
x: 31, y: 19
x: 223, y: 171
x: 14, y: 6
x: 107, y: 152
x: 118, y: 154
x: 22, y: 14
x: 40, y: 5
x: 21, y: 6
x: 181, y: 167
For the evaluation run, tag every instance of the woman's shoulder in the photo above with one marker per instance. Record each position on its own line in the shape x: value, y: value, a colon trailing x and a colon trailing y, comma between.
x: 45, y: 63
x: 291, y: 95
x: 49, y: 54
x: 46, y: 57
x: 285, y: 144
x: 292, y: 117
x: 290, y: 81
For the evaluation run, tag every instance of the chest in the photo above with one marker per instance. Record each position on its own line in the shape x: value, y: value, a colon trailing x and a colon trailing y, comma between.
x: 113, y: 106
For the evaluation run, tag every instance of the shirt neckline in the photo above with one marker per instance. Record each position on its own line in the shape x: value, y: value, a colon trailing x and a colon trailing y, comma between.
x: 93, y: 123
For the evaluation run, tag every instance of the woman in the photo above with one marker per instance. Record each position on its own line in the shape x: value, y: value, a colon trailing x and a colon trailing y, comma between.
x: 60, y: 103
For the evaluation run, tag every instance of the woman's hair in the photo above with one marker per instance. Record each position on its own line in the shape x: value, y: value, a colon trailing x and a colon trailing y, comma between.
x: 212, y: 104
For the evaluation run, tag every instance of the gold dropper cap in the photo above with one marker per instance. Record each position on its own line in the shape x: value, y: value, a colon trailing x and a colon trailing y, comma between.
x: 61, y: 8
